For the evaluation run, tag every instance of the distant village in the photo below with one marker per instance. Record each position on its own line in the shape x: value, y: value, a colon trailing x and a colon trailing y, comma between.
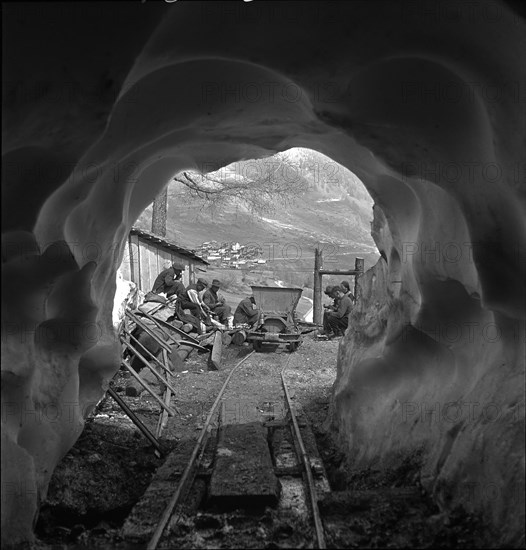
x: 230, y: 254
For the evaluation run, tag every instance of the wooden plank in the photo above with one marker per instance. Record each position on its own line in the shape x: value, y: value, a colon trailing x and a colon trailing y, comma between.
x: 187, y: 338
x: 163, y: 417
x: 148, y: 329
x: 144, y: 517
x: 164, y: 259
x: 134, y: 252
x: 214, y: 360
x: 150, y: 367
x: 144, y: 263
x: 152, y: 260
x: 339, y: 272
x: 125, y: 267
x: 244, y: 473
x: 148, y: 388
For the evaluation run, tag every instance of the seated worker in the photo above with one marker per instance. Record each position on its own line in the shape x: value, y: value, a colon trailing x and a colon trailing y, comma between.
x: 328, y: 307
x: 169, y: 280
x: 336, y: 322
x: 246, y: 312
x: 347, y: 288
x: 328, y: 292
x: 216, y: 304
x: 193, y: 293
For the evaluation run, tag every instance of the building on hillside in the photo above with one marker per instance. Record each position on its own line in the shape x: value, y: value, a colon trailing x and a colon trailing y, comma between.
x: 146, y: 255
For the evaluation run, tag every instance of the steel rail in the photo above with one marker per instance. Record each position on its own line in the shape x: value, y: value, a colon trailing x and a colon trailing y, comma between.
x: 306, y: 464
x: 165, y: 518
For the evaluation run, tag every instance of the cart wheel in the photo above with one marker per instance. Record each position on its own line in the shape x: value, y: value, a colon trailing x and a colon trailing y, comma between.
x: 293, y: 346
x: 256, y: 344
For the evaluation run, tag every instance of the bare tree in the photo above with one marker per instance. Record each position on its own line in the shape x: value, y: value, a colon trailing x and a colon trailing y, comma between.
x: 159, y: 213
x: 260, y: 185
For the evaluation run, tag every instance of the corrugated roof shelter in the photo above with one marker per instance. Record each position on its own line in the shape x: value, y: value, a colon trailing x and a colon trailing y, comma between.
x: 147, y: 255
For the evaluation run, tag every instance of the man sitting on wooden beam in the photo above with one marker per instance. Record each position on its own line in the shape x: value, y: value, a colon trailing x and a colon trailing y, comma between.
x: 216, y: 304
x: 336, y: 322
x: 169, y: 280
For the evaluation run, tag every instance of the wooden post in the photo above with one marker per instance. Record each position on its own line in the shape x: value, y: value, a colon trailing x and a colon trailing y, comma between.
x: 163, y: 417
x: 316, y: 306
x: 358, y: 266
x: 214, y: 360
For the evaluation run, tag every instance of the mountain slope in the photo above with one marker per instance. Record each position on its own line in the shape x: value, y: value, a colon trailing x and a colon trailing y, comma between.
x: 333, y: 210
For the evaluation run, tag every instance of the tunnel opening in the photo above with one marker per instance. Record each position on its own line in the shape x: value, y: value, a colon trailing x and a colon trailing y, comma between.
x: 444, y: 171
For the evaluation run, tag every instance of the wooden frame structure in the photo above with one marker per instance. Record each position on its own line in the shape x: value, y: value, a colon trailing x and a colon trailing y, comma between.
x: 357, y: 272
x: 146, y: 255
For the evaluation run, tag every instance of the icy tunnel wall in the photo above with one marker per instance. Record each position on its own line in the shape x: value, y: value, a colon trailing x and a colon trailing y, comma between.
x: 363, y: 99
x: 436, y: 380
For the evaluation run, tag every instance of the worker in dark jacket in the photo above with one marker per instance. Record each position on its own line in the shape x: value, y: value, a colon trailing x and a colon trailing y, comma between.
x: 337, y: 321
x: 347, y: 289
x: 167, y: 280
x: 216, y: 304
x: 328, y: 307
x: 246, y: 312
x: 191, y: 299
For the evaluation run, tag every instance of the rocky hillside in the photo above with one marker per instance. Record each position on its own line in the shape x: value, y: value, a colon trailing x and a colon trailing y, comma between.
x: 332, y: 209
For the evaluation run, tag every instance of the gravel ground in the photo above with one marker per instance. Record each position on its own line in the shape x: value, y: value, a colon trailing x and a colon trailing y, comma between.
x: 96, y: 485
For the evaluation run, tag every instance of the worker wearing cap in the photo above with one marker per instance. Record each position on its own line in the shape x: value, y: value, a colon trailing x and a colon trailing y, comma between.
x: 195, y: 293
x: 246, y: 312
x: 336, y: 322
x: 169, y: 281
x: 216, y: 304
x: 347, y: 287
x: 329, y: 308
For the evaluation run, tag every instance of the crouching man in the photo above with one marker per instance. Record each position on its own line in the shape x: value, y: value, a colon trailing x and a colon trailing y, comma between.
x: 246, y: 312
x: 336, y: 322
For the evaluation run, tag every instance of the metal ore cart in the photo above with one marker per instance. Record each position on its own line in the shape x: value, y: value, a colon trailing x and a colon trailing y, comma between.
x: 277, y: 323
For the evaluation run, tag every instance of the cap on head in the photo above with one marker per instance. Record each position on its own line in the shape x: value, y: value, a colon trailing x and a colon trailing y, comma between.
x: 329, y: 290
x: 216, y: 283
x: 202, y: 282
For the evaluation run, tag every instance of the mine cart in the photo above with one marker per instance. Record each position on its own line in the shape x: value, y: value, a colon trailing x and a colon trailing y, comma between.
x: 277, y: 324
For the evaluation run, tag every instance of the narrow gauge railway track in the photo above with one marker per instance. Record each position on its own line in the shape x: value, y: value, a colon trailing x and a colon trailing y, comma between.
x: 173, y: 509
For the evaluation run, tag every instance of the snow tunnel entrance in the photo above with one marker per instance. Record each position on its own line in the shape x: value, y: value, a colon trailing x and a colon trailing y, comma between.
x: 255, y: 222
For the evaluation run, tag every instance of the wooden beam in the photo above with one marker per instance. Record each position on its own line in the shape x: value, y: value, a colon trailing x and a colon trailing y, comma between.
x: 339, y: 272
x: 135, y: 419
x: 147, y: 388
x: 359, y: 266
x: 130, y: 335
x: 162, y: 323
x: 316, y: 302
x: 147, y: 365
x: 147, y: 329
